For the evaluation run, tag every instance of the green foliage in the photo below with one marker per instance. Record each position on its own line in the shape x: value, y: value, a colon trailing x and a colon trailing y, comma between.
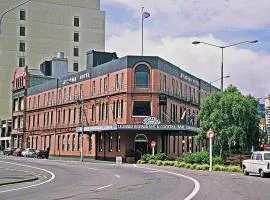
x: 234, y: 169
x: 130, y: 153
x: 182, y: 164
x: 152, y: 161
x: 159, y: 156
x: 205, y: 167
x: 199, y: 167
x: 219, y: 168
x: 234, y: 118
x: 198, y: 158
x: 159, y: 162
x: 217, y: 160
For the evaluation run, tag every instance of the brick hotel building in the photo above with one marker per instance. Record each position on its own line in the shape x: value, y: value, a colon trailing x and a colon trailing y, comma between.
x: 119, y: 103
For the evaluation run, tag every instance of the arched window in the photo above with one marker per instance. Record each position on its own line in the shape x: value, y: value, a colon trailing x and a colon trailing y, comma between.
x: 142, y: 76
x: 63, y: 142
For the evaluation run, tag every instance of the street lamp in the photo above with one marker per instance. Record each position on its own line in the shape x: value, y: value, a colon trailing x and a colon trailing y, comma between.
x: 9, y: 10
x: 223, y: 47
x: 211, y: 82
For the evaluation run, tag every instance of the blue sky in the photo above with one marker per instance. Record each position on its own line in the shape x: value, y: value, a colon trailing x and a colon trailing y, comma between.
x: 174, y: 24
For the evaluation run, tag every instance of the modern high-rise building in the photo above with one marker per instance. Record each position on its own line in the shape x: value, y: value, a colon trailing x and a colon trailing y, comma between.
x: 33, y: 31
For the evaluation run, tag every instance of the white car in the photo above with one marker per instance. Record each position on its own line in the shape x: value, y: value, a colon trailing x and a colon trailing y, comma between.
x: 259, y: 163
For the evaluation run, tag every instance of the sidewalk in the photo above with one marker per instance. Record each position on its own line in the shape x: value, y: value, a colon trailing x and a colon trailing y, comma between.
x: 11, y: 177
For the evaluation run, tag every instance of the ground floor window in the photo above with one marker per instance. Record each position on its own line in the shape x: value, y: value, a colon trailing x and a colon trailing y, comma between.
x: 100, y: 143
x: 118, y: 142
x: 110, y: 142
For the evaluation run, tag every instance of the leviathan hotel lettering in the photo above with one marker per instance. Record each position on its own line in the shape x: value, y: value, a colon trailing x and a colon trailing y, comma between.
x: 151, y: 126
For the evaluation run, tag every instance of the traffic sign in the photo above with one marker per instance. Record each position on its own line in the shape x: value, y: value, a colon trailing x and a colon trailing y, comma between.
x: 153, y: 144
x: 210, y: 133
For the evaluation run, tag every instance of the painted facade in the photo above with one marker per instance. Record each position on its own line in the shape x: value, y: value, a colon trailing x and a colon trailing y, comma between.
x: 119, y: 105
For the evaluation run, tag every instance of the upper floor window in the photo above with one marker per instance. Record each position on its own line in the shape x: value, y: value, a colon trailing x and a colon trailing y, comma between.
x: 76, y: 36
x: 22, y: 15
x: 75, y: 66
x: 22, y: 30
x: 21, y: 61
x: 142, y: 76
x: 76, y: 51
x: 22, y: 46
x: 76, y: 21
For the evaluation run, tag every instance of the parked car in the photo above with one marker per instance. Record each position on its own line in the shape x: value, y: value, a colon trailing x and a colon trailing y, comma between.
x: 9, y: 151
x: 258, y: 163
x: 29, y: 153
x: 42, y: 154
x: 18, y: 152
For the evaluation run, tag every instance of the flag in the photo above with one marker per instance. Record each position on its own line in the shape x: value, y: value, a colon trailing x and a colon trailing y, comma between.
x: 145, y: 15
x: 184, y: 114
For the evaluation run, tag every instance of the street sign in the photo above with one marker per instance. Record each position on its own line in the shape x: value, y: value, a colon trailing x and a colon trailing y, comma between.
x: 153, y: 144
x: 210, y: 133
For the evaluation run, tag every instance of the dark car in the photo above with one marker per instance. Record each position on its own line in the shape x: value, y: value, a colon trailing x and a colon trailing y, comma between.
x: 18, y: 152
x: 9, y: 151
x: 42, y: 154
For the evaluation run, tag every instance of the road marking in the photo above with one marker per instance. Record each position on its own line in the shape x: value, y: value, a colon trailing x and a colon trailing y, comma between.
x: 92, y: 168
x: 196, y: 183
x: 104, y: 187
x: 151, y: 171
x: 117, y: 175
x: 51, y: 173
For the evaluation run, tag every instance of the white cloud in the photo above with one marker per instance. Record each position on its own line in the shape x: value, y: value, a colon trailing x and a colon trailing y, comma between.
x: 201, y: 15
x: 249, y: 70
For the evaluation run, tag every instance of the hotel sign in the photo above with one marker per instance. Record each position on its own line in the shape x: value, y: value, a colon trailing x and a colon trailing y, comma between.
x: 161, y: 127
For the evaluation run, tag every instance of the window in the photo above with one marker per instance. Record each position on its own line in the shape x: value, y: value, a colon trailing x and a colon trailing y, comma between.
x: 69, y: 93
x: 141, y: 108
x: 38, y: 120
x: 74, y: 116
x: 100, y: 144
x: 122, y: 80
x: 76, y: 37
x: 93, y: 88
x: 100, y: 86
x: 105, y: 84
x: 116, y: 82
x: 21, y: 61
x: 76, y: 21
x: 64, y: 116
x: 142, y: 76
x: 63, y: 142
x: 75, y: 67
x: 90, y: 143
x: 110, y: 142
x: 93, y: 112
x: 69, y: 112
x: 22, y: 46
x: 68, y: 142
x: 118, y: 142
x: 73, y: 142
x: 76, y: 51
x: 22, y: 15
x: 22, y: 30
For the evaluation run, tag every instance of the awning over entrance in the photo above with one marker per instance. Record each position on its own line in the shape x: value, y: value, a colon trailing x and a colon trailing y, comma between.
x: 150, y: 127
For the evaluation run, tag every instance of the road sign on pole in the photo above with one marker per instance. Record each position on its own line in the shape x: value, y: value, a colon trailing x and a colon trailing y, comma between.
x: 210, y: 134
x: 153, y: 144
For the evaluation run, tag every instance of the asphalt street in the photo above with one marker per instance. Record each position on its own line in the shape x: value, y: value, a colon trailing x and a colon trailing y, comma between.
x: 76, y: 180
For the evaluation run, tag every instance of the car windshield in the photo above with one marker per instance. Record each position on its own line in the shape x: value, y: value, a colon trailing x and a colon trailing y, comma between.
x: 267, y: 156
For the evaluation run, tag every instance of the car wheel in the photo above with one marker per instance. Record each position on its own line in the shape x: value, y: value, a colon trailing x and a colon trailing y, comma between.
x: 245, y: 172
x: 262, y: 174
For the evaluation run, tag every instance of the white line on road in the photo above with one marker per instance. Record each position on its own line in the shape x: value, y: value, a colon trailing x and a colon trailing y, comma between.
x: 117, y: 175
x: 92, y: 168
x: 52, y: 177
x: 104, y: 187
x: 151, y: 171
x: 196, y: 183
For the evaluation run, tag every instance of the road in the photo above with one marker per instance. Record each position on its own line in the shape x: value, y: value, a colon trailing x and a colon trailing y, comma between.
x: 61, y: 180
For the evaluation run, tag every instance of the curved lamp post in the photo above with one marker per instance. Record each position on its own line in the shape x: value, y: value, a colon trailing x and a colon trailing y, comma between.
x: 223, y: 47
x: 211, y: 82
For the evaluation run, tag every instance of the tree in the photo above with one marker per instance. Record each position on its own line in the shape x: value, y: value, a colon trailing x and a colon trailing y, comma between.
x: 234, y: 118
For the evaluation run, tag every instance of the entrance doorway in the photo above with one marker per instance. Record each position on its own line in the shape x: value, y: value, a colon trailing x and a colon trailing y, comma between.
x: 141, y: 145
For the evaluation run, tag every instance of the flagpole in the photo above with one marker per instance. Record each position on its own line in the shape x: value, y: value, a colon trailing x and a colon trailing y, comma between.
x: 142, y: 29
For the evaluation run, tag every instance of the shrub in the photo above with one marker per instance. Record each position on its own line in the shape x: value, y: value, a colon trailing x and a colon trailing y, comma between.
x: 152, y: 161
x: 234, y: 169
x: 217, y: 167
x: 160, y: 156
x: 176, y: 164
x: 130, y: 153
x: 198, y: 158
x: 188, y: 165
x: 139, y: 162
x: 217, y: 160
x: 199, y: 167
x: 182, y: 164
x: 205, y: 167
x: 159, y: 162
x: 143, y: 162
x: 193, y: 166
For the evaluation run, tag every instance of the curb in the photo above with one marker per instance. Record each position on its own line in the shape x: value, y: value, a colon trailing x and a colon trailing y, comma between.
x: 19, y: 181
